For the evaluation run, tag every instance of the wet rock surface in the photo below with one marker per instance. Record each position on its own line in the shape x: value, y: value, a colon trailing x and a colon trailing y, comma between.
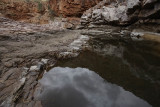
x: 26, y: 52
x: 134, y: 32
x: 42, y: 11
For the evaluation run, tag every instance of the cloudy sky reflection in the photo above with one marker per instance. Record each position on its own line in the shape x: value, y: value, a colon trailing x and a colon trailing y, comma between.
x: 80, y: 87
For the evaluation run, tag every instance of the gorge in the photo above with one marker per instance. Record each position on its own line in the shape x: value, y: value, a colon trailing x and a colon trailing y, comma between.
x: 79, y: 53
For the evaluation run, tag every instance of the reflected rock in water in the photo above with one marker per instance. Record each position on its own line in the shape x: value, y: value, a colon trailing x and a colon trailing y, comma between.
x: 80, y: 87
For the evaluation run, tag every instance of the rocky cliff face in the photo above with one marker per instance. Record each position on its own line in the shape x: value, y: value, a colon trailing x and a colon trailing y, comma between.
x: 121, y: 12
x: 42, y: 11
x: 28, y: 11
x: 71, y: 8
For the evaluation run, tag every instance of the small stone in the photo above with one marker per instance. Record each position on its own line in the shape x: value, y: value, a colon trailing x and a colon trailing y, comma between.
x: 44, y: 61
x: 34, y: 68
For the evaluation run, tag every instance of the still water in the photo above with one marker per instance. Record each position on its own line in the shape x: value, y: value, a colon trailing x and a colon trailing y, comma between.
x: 109, y: 75
x: 80, y: 87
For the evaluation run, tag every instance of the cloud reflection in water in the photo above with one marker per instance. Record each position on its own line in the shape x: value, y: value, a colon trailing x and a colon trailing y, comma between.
x: 80, y: 87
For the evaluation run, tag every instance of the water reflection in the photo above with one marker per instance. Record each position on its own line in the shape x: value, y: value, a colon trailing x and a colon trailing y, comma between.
x: 80, y: 87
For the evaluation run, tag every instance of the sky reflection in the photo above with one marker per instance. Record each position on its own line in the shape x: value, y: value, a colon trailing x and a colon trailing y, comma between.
x: 80, y: 87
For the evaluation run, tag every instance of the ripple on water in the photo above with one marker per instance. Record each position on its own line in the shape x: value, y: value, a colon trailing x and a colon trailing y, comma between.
x: 80, y: 87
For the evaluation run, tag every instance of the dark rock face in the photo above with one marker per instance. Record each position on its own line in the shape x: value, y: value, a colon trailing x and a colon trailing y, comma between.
x: 121, y: 12
x: 151, y: 9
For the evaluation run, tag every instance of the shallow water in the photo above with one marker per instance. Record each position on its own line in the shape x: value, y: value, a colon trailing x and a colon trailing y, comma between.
x: 80, y: 87
x: 111, y: 74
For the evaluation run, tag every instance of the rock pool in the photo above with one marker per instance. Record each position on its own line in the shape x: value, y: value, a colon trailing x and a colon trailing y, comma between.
x: 110, y: 74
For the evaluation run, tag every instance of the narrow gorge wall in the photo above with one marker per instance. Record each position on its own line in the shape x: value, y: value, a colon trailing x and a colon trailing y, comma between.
x: 26, y: 10
x: 41, y: 11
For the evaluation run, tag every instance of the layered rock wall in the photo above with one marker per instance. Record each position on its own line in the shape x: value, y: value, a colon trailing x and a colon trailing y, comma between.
x: 28, y: 11
x: 121, y: 12
x: 41, y: 11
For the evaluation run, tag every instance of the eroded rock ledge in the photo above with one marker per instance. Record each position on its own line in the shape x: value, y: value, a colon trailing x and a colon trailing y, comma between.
x: 122, y: 12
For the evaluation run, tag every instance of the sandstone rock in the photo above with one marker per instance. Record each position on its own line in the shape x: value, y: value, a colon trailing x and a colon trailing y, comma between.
x: 41, y: 11
x: 71, y: 8
x: 33, y: 12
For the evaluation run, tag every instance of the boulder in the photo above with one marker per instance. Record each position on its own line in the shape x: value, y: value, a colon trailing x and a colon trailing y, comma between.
x: 121, y: 12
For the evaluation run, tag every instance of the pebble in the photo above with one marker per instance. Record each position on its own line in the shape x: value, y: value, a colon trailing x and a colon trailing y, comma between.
x: 34, y: 68
x: 44, y: 60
